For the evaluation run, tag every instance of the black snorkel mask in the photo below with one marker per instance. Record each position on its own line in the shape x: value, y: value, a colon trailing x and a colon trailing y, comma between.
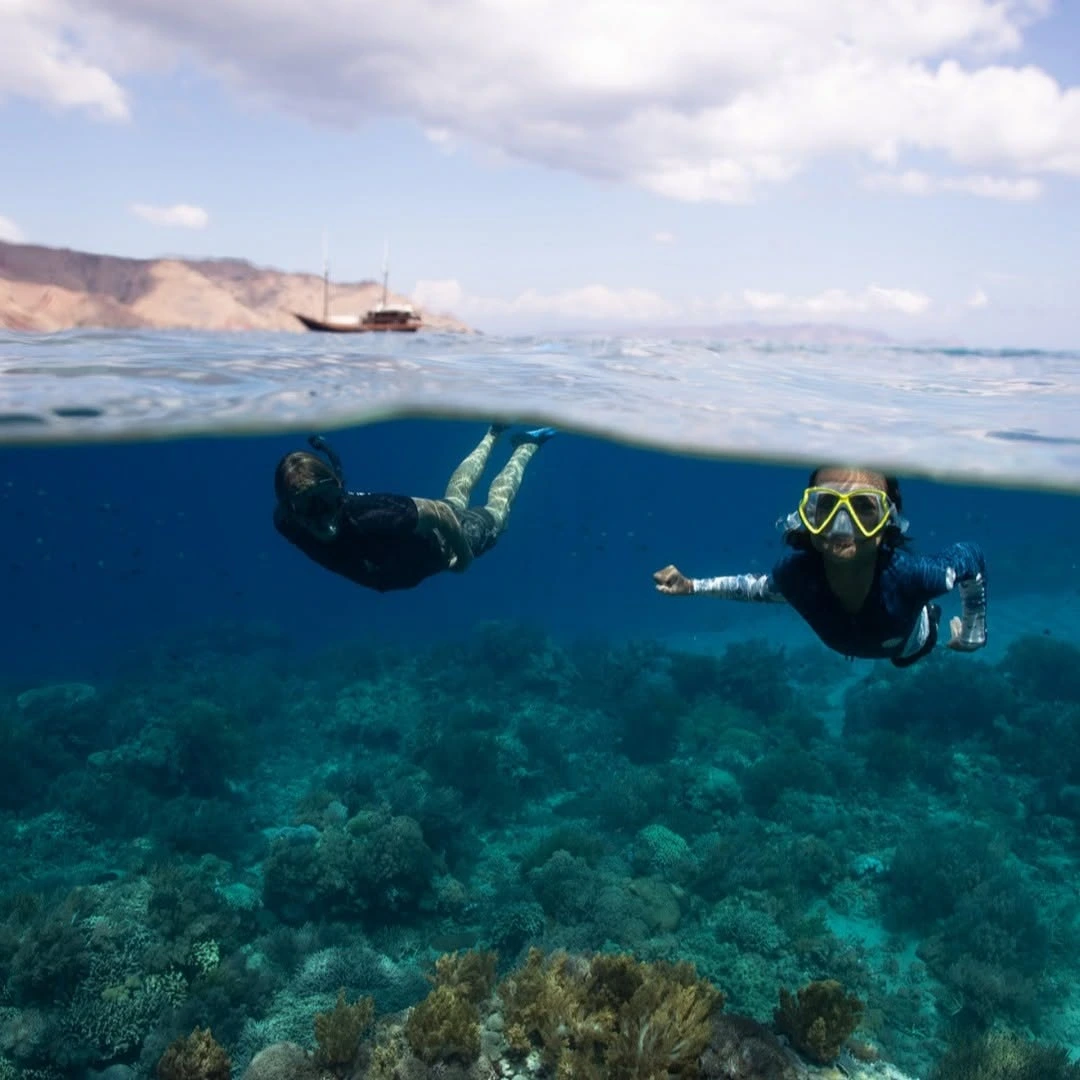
x: 319, y: 507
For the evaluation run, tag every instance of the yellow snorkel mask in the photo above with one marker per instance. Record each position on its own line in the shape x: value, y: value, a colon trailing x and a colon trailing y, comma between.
x: 825, y: 510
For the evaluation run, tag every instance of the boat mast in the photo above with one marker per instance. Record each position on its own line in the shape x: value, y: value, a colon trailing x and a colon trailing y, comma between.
x: 385, y: 270
x: 325, y: 278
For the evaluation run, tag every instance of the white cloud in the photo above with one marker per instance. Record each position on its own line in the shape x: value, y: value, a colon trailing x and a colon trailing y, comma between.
x: 180, y: 216
x: 663, y: 237
x: 45, y: 48
x: 914, y: 182
x: 444, y: 139
x: 586, y: 302
x: 978, y: 299
x: 441, y: 297
x: 9, y: 231
x: 829, y: 302
x: 671, y: 97
x: 595, y: 302
x: 600, y: 302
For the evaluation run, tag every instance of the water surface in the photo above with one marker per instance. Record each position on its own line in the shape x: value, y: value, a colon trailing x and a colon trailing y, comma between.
x: 1003, y: 416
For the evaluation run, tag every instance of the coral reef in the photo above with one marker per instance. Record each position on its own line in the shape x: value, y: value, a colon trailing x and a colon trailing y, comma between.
x: 338, y: 1033
x: 195, y: 1057
x: 608, y: 1016
x: 1003, y: 1055
x: 818, y: 1018
x: 238, y: 836
x: 445, y: 1026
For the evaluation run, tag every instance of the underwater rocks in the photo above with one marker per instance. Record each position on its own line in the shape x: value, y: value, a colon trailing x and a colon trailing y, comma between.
x: 57, y: 698
x: 282, y: 1061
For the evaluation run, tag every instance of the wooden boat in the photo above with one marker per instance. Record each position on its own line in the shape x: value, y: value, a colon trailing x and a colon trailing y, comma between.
x: 384, y: 318
x: 399, y: 319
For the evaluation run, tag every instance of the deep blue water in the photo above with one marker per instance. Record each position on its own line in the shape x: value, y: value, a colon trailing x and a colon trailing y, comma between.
x: 107, y: 543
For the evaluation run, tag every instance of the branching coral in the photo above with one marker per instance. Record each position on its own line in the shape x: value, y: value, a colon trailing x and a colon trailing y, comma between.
x: 818, y: 1019
x: 445, y: 1026
x: 339, y: 1031
x: 195, y: 1057
x: 374, y: 865
x: 470, y: 974
x: 119, y: 1001
x: 663, y: 1028
x: 1004, y: 1056
x: 613, y: 1017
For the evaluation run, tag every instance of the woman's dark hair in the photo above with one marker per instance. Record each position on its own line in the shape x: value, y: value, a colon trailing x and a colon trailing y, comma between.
x: 299, y: 471
x: 893, y: 537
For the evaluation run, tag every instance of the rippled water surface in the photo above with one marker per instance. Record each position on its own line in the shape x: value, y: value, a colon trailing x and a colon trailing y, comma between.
x: 1006, y: 416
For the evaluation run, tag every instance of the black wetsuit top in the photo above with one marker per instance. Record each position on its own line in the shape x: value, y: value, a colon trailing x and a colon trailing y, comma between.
x: 377, y: 544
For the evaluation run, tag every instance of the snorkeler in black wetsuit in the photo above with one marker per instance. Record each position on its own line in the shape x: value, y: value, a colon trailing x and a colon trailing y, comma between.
x: 385, y: 541
x: 850, y: 576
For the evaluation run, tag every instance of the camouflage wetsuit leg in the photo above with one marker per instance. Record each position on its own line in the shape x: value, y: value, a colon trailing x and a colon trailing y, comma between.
x: 460, y: 486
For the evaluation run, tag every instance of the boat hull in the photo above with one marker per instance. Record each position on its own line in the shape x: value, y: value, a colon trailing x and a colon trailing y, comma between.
x: 325, y: 327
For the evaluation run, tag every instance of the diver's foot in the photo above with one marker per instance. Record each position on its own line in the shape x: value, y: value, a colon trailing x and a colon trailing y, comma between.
x: 536, y: 436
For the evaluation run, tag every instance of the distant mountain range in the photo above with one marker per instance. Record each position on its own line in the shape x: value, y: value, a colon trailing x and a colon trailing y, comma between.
x: 47, y: 289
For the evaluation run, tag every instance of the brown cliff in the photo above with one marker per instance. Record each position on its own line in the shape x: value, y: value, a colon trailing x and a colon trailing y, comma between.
x: 45, y: 289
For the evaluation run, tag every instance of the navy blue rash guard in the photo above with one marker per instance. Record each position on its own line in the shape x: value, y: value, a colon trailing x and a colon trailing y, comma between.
x: 895, y: 621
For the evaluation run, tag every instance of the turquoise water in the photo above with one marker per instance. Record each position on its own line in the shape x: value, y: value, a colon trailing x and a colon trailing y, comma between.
x: 232, y: 782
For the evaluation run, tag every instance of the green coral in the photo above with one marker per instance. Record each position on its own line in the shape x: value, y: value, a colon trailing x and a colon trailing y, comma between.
x: 1004, y: 1056
x: 611, y: 1016
x: 819, y: 1019
x: 338, y: 1033
x: 373, y: 865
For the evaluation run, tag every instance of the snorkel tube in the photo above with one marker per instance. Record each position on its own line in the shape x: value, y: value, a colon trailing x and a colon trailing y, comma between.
x: 319, y: 444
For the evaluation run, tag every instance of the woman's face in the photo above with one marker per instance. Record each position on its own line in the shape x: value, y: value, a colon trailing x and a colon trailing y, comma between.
x: 848, y: 546
x: 318, y: 509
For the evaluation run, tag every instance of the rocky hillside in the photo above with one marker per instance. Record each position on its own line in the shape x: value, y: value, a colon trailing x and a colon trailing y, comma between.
x: 55, y: 289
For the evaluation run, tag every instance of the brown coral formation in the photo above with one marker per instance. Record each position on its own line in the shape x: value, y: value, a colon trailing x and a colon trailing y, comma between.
x: 195, y: 1057
x: 818, y: 1019
x: 338, y: 1034
x: 611, y: 1017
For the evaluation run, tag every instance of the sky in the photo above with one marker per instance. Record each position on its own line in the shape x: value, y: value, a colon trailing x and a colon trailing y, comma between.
x: 911, y: 166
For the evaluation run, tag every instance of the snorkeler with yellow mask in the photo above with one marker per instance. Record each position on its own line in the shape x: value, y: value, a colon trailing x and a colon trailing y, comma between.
x: 851, y: 577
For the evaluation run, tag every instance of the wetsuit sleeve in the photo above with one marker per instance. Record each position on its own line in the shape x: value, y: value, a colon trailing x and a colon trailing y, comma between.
x: 960, y: 566
x: 760, y: 587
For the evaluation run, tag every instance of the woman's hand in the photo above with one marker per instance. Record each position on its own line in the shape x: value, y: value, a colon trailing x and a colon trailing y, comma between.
x: 672, y: 582
x: 956, y: 640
